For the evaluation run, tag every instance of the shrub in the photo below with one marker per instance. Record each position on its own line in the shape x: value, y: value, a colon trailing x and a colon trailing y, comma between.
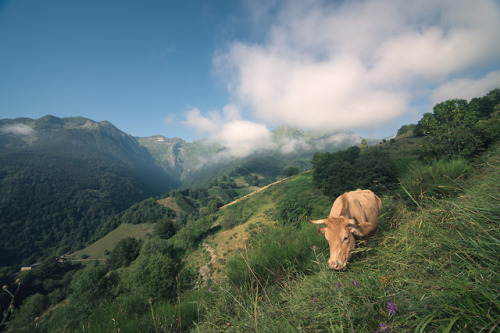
x: 124, y: 252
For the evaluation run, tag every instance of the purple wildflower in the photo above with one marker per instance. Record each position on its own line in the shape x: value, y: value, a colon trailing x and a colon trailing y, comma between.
x: 392, y: 307
x: 384, y: 327
x: 356, y: 283
x: 315, y: 300
x: 209, y: 290
x: 338, y: 284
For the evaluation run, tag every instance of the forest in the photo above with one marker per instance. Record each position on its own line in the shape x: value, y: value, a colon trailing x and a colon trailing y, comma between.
x: 441, y: 275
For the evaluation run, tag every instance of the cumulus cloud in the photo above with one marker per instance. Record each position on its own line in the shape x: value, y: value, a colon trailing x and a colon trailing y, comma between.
x: 467, y: 88
x: 237, y: 137
x: 17, y: 129
x: 325, y: 65
x: 293, y: 145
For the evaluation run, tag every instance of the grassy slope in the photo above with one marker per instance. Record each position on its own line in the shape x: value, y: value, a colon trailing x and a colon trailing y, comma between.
x: 108, y: 242
x: 255, y: 213
x: 403, y: 149
x: 439, y: 266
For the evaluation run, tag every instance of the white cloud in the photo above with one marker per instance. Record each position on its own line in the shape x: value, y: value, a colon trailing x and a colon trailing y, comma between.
x: 467, y: 88
x: 293, y: 145
x: 17, y: 129
x: 242, y: 138
x: 324, y: 65
x: 238, y: 137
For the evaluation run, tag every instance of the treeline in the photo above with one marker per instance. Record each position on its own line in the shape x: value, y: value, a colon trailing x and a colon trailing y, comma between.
x: 456, y: 129
x: 347, y: 170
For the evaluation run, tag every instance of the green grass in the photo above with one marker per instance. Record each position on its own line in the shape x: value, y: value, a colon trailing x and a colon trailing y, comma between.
x: 107, y: 243
x: 438, y: 265
x: 433, y: 268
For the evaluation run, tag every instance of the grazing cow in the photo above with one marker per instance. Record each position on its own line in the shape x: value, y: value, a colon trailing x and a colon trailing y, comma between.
x: 353, y: 213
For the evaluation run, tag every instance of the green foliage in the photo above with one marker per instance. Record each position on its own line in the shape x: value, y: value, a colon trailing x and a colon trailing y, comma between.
x: 432, y: 270
x: 89, y: 288
x: 441, y: 178
x: 126, y: 251
x: 449, y: 130
x: 164, y: 228
x: 154, y: 272
x: 274, y: 253
x: 293, y: 208
x: 364, y: 144
x: 291, y: 171
x: 60, y: 184
x: 406, y: 128
x: 348, y: 170
x: 25, y: 320
x: 232, y: 217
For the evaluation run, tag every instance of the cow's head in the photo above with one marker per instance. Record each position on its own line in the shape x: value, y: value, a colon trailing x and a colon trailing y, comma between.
x: 339, y: 233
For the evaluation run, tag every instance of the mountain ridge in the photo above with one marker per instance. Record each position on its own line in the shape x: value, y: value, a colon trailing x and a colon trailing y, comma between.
x: 61, y: 178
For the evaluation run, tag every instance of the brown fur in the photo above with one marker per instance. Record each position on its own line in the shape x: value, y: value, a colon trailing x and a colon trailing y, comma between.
x: 354, y: 213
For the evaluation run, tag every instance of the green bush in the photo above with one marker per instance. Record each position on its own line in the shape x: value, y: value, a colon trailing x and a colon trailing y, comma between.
x: 153, y: 273
x: 125, y: 251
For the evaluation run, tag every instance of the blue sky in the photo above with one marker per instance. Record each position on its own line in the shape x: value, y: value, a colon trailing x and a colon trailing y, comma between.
x: 232, y: 70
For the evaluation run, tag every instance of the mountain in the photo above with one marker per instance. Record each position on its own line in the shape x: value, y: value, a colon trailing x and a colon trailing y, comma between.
x: 198, y: 163
x: 61, y: 178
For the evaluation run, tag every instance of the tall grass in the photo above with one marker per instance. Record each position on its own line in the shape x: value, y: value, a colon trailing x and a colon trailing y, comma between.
x: 437, y: 180
x: 434, y: 269
x: 275, y: 252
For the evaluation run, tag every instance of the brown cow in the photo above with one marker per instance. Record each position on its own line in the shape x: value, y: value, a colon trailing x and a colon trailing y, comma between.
x: 353, y: 213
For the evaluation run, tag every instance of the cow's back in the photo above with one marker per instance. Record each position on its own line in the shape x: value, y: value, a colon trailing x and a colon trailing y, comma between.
x: 360, y: 205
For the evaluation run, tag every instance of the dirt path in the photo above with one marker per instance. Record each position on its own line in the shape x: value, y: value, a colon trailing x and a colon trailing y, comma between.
x: 254, y: 192
x: 205, y: 269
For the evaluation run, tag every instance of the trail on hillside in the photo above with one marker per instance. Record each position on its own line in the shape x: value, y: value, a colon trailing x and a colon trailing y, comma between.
x: 205, y: 269
x: 254, y: 192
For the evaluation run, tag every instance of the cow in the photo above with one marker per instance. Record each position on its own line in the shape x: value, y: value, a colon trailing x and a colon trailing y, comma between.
x: 354, y: 213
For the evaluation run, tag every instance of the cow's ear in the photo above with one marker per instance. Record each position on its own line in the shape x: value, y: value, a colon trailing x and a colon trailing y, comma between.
x: 322, y: 231
x: 353, y: 228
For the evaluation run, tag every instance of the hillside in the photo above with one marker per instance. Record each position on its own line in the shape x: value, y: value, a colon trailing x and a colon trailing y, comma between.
x: 62, y: 178
x: 433, y: 267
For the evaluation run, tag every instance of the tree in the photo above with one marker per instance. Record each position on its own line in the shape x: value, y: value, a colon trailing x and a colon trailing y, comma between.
x: 124, y: 253
x: 291, y: 171
x: 25, y: 319
x: 348, y: 170
x: 364, y: 144
x: 153, y: 273
x: 449, y: 131
x: 334, y: 173
x: 406, y: 128
x: 164, y: 228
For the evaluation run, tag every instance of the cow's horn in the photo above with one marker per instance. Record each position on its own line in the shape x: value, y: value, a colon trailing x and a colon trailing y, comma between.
x: 315, y: 221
